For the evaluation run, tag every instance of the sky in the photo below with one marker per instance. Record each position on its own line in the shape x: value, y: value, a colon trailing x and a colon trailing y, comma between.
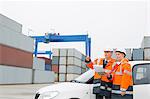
x: 109, y: 23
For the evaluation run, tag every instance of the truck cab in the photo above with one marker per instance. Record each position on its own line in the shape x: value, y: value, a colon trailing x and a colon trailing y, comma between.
x: 141, y: 79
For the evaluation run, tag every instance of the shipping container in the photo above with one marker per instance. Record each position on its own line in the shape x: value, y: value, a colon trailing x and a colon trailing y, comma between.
x: 47, y: 60
x: 55, y: 60
x: 74, y: 61
x: 43, y: 76
x: 72, y: 69
x: 16, y: 40
x: 48, y: 63
x: 55, y: 52
x: 74, y: 53
x: 55, y: 68
x: 62, y: 60
x: 15, y: 57
x: 129, y: 53
x: 138, y: 54
x: 56, y: 77
x: 38, y: 64
x: 15, y: 75
x: 147, y: 54
x: 146, y: 42
x: 83, y: 57
x: 63, y: 52
x: 83, y: 64
x: 62, y: 77
x: 62, y: 69
x: 10, y: 24
x: 48, y: 67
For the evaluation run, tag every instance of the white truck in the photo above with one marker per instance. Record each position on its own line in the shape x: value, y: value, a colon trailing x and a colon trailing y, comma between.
x: 82, y: 87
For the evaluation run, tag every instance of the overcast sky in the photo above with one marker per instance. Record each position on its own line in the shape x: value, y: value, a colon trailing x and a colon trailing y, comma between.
x: 110, y: 23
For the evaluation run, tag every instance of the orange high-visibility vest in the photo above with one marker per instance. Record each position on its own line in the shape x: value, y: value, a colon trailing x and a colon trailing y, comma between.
x: 107, y: 68
x: 122, y: 76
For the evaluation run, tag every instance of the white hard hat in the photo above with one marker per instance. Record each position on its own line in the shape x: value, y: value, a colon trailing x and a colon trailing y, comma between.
x: 108, y: 49
x: 122, y: 50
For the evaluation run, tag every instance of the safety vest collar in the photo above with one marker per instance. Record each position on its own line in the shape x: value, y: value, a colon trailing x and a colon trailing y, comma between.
x: 124, y: 60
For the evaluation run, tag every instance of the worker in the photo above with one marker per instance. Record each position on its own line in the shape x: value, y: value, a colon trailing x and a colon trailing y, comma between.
x: 121, y: 77
x: 101, y: 85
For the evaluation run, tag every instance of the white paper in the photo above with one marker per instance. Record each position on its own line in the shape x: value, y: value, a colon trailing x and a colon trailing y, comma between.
x: 98, y: 68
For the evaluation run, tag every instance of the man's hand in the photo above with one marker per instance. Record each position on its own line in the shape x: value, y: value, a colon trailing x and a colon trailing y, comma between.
x: 103, y: 73
x: 87, y: 59
x: 109, y: 76
x: 123, y: 93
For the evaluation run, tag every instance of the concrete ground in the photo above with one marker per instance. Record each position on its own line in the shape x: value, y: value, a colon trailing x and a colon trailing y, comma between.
x: 19, y: 91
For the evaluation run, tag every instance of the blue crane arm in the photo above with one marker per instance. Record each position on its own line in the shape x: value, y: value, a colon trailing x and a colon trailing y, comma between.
x: 63, y: 38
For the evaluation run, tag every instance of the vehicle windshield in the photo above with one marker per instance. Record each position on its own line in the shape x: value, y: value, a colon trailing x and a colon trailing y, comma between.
x: 85, y: 77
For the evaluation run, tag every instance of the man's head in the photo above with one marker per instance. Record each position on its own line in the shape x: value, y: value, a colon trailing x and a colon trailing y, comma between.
x: 120, y: 54
x: 108, y: 53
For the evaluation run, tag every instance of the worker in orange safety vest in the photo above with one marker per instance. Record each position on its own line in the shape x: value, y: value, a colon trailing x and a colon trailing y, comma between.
x: 121, y: 77
x: 101, y: 84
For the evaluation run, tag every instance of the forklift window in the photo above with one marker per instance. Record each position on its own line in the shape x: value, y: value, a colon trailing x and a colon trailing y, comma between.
x: 141, y: 74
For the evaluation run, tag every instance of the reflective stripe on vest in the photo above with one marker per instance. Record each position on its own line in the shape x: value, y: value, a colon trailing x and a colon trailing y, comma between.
x: 127, y: 72
x: 103, y: 87
x: 109, y: 89
x: 118, y: 73
x: 119, y: 92
x: 97, y: 85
